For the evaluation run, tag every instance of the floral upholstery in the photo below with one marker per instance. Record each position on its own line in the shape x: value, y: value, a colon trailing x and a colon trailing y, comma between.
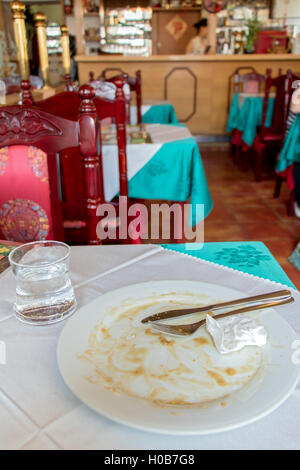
x: 25, y: 210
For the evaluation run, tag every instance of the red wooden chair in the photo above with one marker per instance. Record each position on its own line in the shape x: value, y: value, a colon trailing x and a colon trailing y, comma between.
x: 272, y: 137
x: 13, y: 84
x: 30, y: 140
x: 135, y: 84
x: 250, y: 82
x: 65, y: 105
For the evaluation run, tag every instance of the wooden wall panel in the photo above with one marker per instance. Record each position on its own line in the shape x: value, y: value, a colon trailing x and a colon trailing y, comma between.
x: 212, y: 74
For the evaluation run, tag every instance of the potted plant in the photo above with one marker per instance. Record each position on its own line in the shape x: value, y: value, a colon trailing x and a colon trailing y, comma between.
x: 253, y: 28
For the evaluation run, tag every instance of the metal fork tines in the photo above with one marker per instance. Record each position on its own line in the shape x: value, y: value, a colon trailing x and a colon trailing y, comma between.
x: 189, y: 329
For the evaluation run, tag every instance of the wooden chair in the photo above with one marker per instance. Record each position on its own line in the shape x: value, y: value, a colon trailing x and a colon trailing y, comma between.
x: 249, y: 82
x: 135, y: 84
x: 272, y: 136
x: 13, y: 84
x: 65, y: 105
x: 30, y: 140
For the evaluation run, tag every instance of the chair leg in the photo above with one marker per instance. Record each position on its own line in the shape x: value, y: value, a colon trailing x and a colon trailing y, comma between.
x: 232, y: 150
x: 237, y: 155
x: 245, y: 158
x: 277, y: 188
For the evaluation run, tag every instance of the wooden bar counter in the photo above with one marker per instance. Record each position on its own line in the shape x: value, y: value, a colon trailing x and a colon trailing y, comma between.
x: 197, y: 86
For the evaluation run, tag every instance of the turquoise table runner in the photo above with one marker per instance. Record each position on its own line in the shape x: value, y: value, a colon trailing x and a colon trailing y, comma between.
x: 160, y: 114
x: 174, y: 173
x: 247, y: 118
x: 249, y: 257
x: 290, y: 151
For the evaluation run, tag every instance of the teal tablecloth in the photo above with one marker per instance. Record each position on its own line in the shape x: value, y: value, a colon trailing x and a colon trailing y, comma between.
x: 174, y: 173
x: 249, y: 257
x: 290, y: 151
x: 160, y: 114
x: 247, y: 118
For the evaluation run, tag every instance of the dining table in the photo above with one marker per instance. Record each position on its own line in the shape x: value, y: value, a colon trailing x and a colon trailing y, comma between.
x: 37, y: 409
x: 155, y: 112
x: 245, y: 115
x: 169, y: 167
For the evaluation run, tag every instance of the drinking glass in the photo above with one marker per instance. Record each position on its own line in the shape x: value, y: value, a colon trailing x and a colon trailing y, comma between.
x: 44, y: 293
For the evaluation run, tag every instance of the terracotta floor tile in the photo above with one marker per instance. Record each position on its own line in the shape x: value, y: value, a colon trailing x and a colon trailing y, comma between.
x: 293, y: 226
x: 281, y: 248
x: 258, y: 213
x: 216, y: 231
x: 237, y: 187
x: 221, y: 212
x: 292, y: 273
x: 217, y: 197
x: 279, y: 207
x: 266, y: 189
x: 243, y: 199
x: 266, y: 231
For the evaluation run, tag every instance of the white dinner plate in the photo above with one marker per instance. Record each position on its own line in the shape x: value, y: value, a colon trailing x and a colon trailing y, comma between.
x: 278, y: 379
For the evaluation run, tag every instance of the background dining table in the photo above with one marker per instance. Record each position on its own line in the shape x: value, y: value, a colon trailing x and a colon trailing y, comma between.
x: 245, y: 115
x: 169, y: 168
x: 162, y: 112
x: 38, y: 411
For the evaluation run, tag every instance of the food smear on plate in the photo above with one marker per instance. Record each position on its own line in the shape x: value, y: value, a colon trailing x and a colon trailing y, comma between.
x: 127, y: 356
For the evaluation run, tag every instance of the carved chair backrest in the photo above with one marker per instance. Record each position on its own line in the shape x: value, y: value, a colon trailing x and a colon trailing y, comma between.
x: 30, y: 141
x: 66, y: 104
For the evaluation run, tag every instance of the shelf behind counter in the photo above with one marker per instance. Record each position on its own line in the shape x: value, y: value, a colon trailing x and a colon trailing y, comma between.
x: 196, y: 85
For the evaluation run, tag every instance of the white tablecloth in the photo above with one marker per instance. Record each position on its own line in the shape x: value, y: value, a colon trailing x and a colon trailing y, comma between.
x: 37, y: 410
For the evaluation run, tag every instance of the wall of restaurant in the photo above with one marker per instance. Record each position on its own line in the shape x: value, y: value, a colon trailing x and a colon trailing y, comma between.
x: 290, y: 8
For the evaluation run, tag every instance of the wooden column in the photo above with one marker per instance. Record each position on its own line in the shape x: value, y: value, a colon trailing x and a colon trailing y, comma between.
x: 212, y: 32
x: 65, y: 44
x: 2, y: 22
x: 66, y: 58
x: 40, y: 25
x: 78, y: 17
x: 18, y: 12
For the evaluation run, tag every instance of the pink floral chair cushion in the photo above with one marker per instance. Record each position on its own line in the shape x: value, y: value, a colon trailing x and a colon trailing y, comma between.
x: 25, y: 210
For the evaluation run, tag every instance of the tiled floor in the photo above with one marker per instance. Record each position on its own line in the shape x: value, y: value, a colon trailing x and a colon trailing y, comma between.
x: 246, y: 210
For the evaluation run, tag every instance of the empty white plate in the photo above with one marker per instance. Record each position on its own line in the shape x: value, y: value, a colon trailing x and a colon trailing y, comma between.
x: 266, y: 391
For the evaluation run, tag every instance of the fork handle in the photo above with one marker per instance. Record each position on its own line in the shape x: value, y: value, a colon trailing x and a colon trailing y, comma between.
x: 249, y: 309
x: 281, y: 294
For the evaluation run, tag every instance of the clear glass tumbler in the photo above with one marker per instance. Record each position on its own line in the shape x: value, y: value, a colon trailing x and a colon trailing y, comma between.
x: 44, y: 293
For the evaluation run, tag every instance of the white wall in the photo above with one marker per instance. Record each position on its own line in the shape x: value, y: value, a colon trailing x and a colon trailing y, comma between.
x: 289, y: 7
